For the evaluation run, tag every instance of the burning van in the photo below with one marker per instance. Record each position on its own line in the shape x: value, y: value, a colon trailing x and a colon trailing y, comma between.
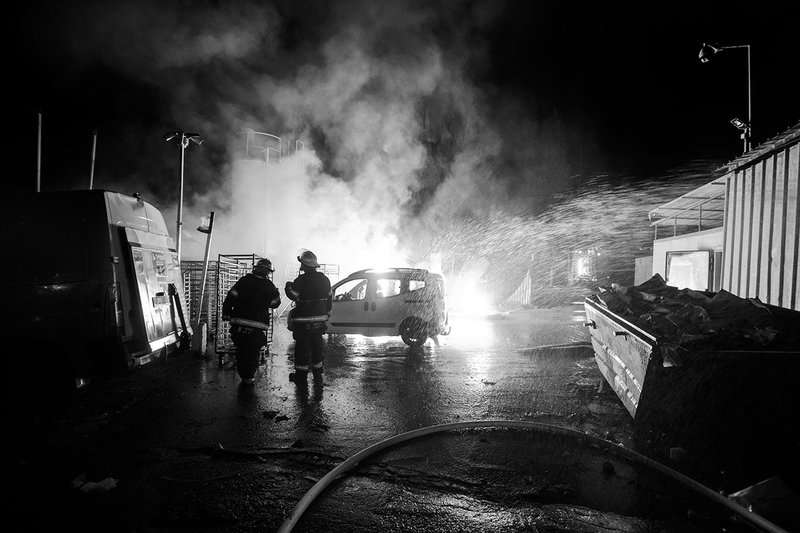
x: 409, y: 302
x: 91, y: 284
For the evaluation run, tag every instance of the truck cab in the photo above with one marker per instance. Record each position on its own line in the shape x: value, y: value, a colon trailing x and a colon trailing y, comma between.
x: 91, y: 283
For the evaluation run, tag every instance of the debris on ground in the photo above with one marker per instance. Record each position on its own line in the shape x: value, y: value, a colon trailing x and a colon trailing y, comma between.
x: 697, y: 320
x: 773, y: 499
x: 80, y: 484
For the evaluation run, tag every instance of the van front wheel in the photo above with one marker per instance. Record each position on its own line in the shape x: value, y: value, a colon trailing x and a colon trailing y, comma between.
x: 414, y: 332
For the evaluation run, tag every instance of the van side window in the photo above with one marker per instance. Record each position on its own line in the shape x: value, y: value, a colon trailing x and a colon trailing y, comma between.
x: 415, y: 285
x: 387, y: 288
x: 355, y: 289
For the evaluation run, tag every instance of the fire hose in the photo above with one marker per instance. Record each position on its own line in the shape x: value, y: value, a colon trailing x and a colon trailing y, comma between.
x: 353, y: 461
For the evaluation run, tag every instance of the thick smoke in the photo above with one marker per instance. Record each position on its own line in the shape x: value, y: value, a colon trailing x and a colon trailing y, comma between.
x: 400, y: 135
x: 396, y: 145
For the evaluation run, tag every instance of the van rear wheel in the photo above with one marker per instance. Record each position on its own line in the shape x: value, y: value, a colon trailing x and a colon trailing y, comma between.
x: 414, y: 332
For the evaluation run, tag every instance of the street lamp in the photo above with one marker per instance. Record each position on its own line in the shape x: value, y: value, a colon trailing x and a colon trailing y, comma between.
x: 183, y: 141
x: 706, y: 53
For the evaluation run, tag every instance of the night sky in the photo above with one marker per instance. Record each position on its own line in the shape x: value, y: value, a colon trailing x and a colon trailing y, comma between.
x: 521, y: 95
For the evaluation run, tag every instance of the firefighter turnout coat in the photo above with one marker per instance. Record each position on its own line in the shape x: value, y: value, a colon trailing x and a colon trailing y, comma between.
x: 311, y: 292
x: 249, y: 301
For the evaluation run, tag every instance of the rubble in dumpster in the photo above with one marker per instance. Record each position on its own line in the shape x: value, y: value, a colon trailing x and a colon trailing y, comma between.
x: 702, y: 321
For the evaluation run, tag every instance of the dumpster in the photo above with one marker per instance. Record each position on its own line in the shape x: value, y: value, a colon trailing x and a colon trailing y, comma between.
x: 710, y: 373
x: 685, y: 361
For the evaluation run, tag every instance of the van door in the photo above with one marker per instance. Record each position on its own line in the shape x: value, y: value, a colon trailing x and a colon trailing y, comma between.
x: 155, y: 269
x: 350, y: 310
x: 153, y: 293
x: 387, y: 307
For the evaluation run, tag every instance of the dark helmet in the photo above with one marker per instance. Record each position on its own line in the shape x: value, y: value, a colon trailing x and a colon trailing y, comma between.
x: 308, y: 259
x: 263, y: 265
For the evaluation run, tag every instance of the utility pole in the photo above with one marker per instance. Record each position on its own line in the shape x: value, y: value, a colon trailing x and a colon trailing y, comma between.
x: 183, y: 141
x: 39, y: 156
x: 708, y: 51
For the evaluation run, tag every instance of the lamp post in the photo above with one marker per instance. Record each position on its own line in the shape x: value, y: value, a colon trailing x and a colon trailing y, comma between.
x: 707, y: 51
x: 183, y: 141
x: 94, y: 151
x: 206, y: 228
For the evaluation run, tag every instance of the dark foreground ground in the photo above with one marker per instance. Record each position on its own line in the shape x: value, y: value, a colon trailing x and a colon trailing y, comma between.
x: 178, y: 445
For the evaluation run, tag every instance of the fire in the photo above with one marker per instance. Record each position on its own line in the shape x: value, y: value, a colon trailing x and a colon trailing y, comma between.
x: 469, y: 299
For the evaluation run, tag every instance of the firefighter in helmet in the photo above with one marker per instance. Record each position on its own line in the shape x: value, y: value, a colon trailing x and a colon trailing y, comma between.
x: 248, y: 307
x: 311, y: 292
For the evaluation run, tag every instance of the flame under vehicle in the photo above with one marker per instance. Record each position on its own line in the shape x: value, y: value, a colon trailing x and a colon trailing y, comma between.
x: 93, y: 285
x: 409, y: 302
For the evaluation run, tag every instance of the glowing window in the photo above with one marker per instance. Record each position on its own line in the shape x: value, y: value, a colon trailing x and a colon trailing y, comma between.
x: 415, y: 285
x: 690, y: 269
x: 387, y: 288
x: 355, y: 289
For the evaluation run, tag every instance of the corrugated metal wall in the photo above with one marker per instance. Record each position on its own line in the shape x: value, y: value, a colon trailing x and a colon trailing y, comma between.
x: 521, y: 296
x: 762, y: 229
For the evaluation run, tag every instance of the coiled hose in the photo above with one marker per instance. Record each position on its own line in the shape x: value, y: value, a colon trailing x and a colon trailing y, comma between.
x: 353, y: 461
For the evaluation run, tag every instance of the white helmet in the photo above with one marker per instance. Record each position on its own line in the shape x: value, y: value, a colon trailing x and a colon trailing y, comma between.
x: 308, y: 259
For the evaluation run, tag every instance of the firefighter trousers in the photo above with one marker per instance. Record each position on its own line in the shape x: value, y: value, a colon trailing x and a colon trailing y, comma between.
x: 248, y: 342
x: 308, y: 347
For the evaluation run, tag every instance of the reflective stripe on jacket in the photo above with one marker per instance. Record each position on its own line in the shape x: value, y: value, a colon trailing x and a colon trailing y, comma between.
x: 315, y: 318
x: 312, y: 293
x: 249, y: 301
x: 249, y: 323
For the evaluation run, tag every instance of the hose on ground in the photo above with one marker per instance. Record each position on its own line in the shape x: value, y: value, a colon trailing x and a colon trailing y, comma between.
x: 353, y: 461
x: 557, y: 346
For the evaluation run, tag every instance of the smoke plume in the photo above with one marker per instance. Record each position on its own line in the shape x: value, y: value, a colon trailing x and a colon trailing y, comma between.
x: 390, y: 127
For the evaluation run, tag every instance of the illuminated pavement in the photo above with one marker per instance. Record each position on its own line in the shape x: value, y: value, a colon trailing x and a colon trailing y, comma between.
x: 190, y: 449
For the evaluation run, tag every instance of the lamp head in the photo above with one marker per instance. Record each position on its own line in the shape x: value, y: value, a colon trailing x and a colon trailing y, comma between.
x: 739, y: 124
x: 171, y: 135
x: 707, y: 51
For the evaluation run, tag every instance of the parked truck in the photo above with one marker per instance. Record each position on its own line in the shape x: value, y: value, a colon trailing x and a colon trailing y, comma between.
x: 91, y: 286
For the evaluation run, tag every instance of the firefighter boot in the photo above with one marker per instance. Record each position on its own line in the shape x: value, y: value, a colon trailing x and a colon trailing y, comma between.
x: 299, y: 377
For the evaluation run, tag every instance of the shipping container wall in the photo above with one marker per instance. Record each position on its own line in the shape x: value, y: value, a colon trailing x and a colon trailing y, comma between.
x: 762, y: 229
x: 643, y: 269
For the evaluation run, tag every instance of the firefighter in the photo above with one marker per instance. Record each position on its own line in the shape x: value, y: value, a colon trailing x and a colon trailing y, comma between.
x: 248, y: 307
x: 311, y: 292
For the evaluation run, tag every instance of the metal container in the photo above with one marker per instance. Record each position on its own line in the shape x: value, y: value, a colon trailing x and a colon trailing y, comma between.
x: 681, y: 389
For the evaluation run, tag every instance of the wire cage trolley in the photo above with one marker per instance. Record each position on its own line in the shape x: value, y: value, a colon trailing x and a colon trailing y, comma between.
x: 229, y: 269
x: 192, y: 285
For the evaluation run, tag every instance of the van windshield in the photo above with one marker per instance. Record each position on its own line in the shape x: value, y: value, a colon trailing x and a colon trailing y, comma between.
x: 45, y: 251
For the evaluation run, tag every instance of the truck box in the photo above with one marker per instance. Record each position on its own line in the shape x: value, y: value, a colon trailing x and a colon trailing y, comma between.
x: 90, y: 284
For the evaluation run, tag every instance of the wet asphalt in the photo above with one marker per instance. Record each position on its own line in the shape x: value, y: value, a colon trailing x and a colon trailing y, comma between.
x: 180, y: 445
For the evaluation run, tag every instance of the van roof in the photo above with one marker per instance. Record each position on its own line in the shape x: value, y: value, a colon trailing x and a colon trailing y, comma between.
x: 126, y: 210
x: 401, y: 271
